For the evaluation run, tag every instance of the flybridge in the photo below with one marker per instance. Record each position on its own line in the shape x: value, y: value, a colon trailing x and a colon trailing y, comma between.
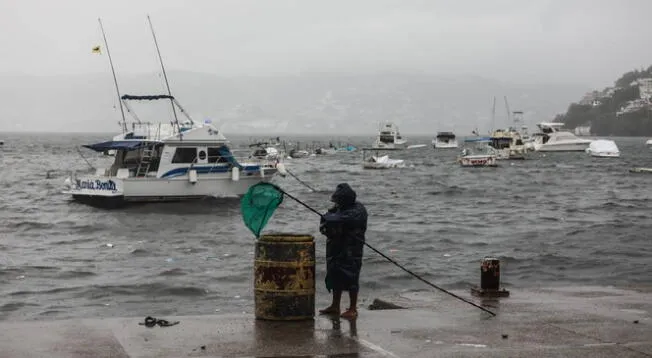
x: 159, y: 130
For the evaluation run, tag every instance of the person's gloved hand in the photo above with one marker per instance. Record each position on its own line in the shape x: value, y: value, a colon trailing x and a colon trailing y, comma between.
x: 322, y: 227
x: 333, y: 209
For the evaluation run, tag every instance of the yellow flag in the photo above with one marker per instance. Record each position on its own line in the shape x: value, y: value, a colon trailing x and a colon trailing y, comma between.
x: 97, y: 49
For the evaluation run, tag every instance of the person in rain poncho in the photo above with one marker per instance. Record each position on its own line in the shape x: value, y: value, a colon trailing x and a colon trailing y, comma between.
x: 344, y: 225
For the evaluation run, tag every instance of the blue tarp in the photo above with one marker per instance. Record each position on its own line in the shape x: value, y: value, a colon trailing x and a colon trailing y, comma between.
x: 116, y: 144
x: 478, y: 139
x: 225, y: 153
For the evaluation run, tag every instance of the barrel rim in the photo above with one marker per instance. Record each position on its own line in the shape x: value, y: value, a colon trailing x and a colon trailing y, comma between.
x: 282, y: 237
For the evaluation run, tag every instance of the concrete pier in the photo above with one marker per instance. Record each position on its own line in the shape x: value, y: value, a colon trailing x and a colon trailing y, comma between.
x: 560, y: 322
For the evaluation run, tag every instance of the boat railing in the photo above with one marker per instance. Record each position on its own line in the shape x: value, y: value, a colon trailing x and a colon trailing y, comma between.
x: 243, y: 160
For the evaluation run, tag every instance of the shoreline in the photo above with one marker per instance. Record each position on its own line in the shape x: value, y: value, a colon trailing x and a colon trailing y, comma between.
x: 571, y: 322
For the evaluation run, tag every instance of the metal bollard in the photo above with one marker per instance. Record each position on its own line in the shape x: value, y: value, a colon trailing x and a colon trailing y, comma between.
x: 489, y: 279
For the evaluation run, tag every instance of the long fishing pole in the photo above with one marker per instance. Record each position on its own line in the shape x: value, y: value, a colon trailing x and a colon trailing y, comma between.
x: 391, y: 260
x: 299, y: 180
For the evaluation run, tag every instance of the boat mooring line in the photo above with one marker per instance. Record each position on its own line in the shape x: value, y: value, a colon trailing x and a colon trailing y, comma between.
x: 299, y: 180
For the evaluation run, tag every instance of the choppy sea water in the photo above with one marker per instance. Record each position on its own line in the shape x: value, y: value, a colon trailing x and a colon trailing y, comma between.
x: 557, y: 219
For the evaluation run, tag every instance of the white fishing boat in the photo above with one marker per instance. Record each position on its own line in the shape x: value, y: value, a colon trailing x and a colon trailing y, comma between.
x: 508, y: 144
x: 553, y: 139
x: 648, y: 143
x: 193, y: 164
x: 478, y: 153
x: 374, y: 158
x: 603, y: 148
x: 444, y: 140
x: 167, y: 162
x: 389, y: 137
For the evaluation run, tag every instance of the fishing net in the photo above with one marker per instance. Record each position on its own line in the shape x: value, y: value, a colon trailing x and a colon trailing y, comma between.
x: 258, y: 205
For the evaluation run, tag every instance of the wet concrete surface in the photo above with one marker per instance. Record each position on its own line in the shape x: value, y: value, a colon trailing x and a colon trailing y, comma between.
x: 565, y: 322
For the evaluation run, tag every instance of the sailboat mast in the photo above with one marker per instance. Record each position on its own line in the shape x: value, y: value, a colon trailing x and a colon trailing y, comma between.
x: 115, y: 80
x: 165, y: 76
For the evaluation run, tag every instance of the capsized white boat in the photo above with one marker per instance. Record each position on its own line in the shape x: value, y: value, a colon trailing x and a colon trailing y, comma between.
x: 378, y: 161
x: 603, y: 148
x: 384, y: 162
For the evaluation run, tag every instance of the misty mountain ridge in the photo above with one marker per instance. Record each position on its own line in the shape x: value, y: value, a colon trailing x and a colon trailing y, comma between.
x: 325, y: 103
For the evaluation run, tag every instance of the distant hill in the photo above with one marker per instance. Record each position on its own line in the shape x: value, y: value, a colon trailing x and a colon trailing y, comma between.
x: 328, y: 103
x: 622, y: 110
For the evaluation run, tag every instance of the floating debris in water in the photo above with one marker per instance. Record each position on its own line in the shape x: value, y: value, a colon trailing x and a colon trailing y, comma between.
x: 109, y: 245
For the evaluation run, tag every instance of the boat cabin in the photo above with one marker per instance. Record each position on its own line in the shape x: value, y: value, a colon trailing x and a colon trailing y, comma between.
x: 445, y: 136
x: 170, y: 157
x: 389, y: 134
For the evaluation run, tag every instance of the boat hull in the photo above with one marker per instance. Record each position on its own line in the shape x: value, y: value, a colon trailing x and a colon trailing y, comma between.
x: 478, y: 161
x: 114, y: 192
x: 395, y: 145
x: 445, y: 145
x: 605, y: 155
x: 563, y: 147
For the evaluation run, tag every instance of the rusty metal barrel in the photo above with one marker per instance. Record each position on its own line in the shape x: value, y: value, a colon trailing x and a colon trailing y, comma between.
x: 284, y: 277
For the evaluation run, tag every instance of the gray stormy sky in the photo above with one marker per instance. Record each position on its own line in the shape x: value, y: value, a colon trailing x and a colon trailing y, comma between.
x: 588, y: 42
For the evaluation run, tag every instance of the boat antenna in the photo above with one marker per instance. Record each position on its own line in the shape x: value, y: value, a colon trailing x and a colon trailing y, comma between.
x: 493, y: 115
x: 115, y: 80
x: 509, y: 119
x: 165, y: 76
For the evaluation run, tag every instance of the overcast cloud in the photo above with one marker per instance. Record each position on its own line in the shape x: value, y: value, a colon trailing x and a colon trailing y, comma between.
x: 589, y: 42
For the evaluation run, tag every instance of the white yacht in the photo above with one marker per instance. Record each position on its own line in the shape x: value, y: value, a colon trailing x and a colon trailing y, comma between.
x: 553, y: 139
x: 165, y: 162
x: 389, y: 137
x: 444, y: 140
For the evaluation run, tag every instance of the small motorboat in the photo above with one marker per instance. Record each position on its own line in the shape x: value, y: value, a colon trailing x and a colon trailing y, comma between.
x: 481, y: 154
